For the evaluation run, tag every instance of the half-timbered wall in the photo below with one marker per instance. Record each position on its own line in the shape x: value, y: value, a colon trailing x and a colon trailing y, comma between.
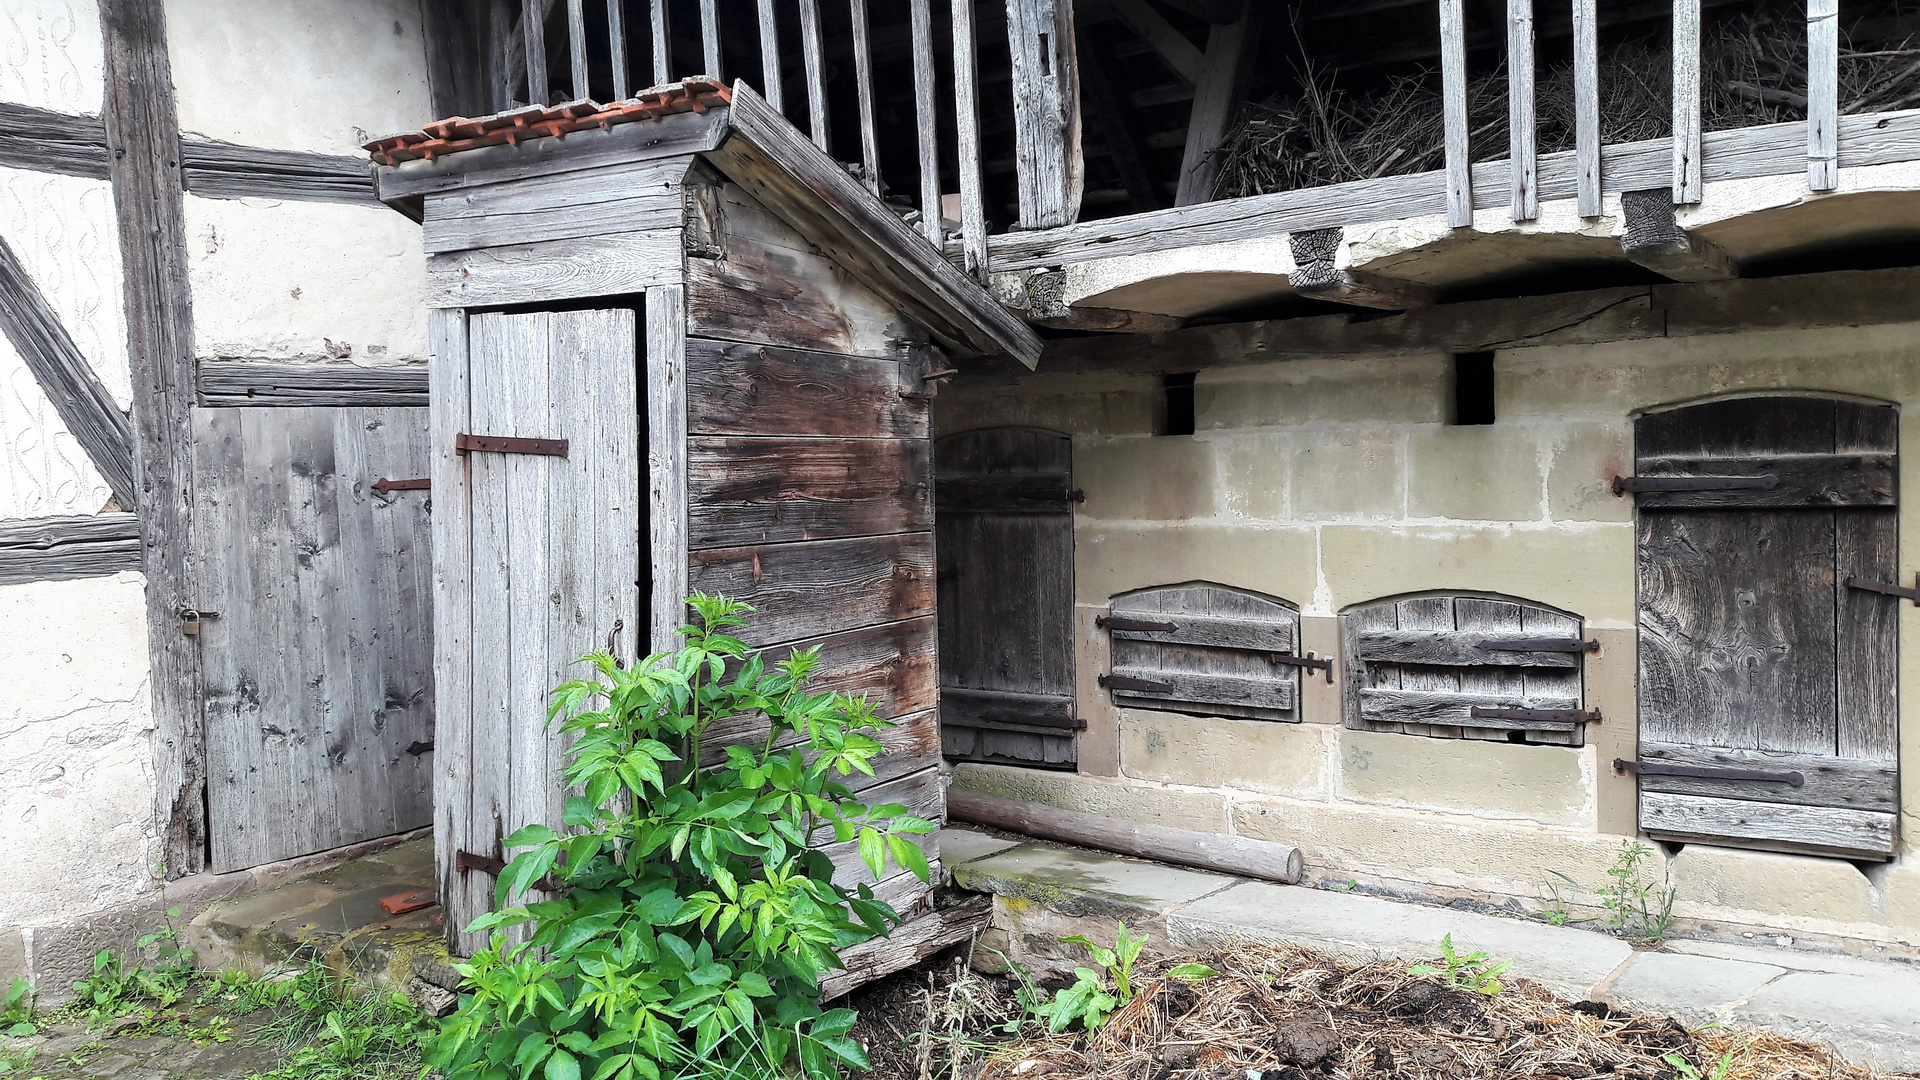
x: 1337, y: 485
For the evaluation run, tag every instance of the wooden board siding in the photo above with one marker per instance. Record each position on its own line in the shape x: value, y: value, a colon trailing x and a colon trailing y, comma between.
x: 1416, y: 666
x: 318, y: 668
x: 747, y: 389
x: 1754, y: 654
x: 772, y: 489
x: 634, y: 197
x: 1215, y: 659
x: 1006, y: 593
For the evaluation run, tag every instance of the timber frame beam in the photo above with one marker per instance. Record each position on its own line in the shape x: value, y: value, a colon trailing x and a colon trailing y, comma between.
x: 68, y: 547
x: 1315, y: 274
x: 1655, y: 240
x: 1641, y: 312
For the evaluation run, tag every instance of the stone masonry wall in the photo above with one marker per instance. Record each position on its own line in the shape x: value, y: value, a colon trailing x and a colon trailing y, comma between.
x: 1334, y: 482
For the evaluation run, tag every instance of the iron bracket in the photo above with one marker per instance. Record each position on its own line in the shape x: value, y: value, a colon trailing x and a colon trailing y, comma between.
x: 1887, y: 588
x: 418, y: 747
x: 1309, y: 661
x: 464, y: 443
x: 1123, y: 682
x: 1625, y: 484
x: 1145, y: 626
x: 1656, y: 768
x: 384, y: 485
x: 1539, y: 644
x: 1565, y: 716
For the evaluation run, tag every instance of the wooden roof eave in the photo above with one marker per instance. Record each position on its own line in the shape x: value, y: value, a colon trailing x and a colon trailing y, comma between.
x: 795, y: 179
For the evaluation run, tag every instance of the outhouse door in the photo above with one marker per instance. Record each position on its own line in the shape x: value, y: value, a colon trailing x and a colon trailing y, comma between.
x: 1003, y: 536
x: 538, y: 531
x: 314, y: 626
x: 1768, y: 691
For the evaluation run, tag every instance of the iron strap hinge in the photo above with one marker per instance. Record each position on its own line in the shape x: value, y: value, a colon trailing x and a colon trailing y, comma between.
x: 1309, y: 661
x: 1655, y: 768
x: 1539, y: 644
x: 384, y: 485
x: 1888, y: 588
x: 464, y: 861
x: 1121, y: 622
x: 1624, y: 484
x: 1123, y: 682
x: 1564, y: 716
x: 464, y: 443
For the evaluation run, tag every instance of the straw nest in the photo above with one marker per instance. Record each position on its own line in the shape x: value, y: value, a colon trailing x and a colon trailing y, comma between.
x: 1753, y: 71
x: 1291, y: 1014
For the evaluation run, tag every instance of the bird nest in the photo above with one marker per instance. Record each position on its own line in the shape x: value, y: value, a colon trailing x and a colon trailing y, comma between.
x: 1753, y: 71
x: 1290, y: 1014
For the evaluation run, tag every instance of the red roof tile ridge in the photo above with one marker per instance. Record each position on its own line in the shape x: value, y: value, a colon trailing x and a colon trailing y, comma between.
x: 511, y: 127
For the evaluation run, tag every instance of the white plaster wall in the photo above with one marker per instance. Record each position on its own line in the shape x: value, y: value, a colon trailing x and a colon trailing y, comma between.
x: 62, y: 229
x: 50, y: 54
x: 76, y: 781
x: 322, y: 75
x: 305, y: 281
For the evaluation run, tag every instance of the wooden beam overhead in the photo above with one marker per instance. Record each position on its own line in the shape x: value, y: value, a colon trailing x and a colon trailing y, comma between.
x: 1180, y: 53
x: 1232, y: 49
x: 75, y: 391
x: 1316, y: 275
x: 1217, y: 12
x: 1655, y: 240
x: 148, y: 199
x: 69, y: 547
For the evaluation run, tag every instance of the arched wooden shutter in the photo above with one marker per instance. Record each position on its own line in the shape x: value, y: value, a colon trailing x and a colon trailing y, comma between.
x: 1206, y: 650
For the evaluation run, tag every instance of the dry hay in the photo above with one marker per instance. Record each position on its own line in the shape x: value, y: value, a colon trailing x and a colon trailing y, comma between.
x: 1291, y: 1014
x: 1753, y: 71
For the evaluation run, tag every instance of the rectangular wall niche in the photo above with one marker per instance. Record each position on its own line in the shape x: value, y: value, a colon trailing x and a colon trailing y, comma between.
x: 1465, y: 667
x: 1206, y: 650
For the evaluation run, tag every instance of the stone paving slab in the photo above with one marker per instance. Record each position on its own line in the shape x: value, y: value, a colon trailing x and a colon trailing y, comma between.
x: 1076, y: 882
x: 964, y: 846
x: 1569, y: 961
x: 1867, y: 1018
x: 1697, y: 989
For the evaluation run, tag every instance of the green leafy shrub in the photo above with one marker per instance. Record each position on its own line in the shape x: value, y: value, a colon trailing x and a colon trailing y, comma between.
x: 1638, y: 906
x: 1473, y: 971
x: 1088, y: 1000
x: 689, y: 922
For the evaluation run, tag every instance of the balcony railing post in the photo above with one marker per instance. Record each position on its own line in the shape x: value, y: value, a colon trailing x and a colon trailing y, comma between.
x: 812, y: 51
x: 617, y: 47
x: 863, y: 87
x: 1823, y: 94
x: 973, y: 210
x: 710, y: 38
x: 662, y: 51
x: 1686, y: 102
x: 772, y: 89
x: 533, y: 35
x: 926, y: 118
x: 577, y: 47
x: 1586, y: 108
x: 1453, y: 104
x: 1521, y: 134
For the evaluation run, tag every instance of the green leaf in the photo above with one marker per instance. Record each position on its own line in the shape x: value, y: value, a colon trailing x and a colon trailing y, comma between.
x: 909, y: 855
x: 529, y: 835
x: 873, y: 851
x: 563, y: 1066
x: 1191, y: 972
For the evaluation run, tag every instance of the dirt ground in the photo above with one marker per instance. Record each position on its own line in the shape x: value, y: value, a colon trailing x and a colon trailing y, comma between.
x: 1292, y: 1014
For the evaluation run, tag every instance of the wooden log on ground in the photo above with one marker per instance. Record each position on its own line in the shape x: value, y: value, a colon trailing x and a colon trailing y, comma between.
x: 910, y: 943
x: 1183, y: 847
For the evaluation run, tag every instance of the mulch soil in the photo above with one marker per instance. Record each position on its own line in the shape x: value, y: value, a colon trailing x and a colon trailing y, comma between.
x: 1294, y: 1014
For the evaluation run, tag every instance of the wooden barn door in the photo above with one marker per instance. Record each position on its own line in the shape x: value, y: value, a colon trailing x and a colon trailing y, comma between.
x: 1003, y: 524
x: 316, y: 640
x: 539, y: 527
x: 1768, y: 673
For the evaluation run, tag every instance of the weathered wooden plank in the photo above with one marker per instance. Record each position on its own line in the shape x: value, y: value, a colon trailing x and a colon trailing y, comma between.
x: 1454, y: 648
x: 1522, y: 134
x: 1046, y: 114
x: 1687, y: 176
x: 831, y: 209
x: 666, y: 395
x: 1819, y: 829
x: 71, y: 386
x: 1211, y: 630
x: 1424, y: 613
x: 779, y: 489
x: 491, y: 776
x: 813, y: 57
x: 449, y: 414
x: 1849, y: 782
x: 1317, y: 274
x: 1654, y: 239
x: 745, y: 389
x: 966, y: 111
x: 617, y: 49
x: 710, y: 39
x: 141, y: 125
x: 68, y: 547
x: 1357, y: 674
x: 1232, y: 50
x: 1203, y: 690
x: 533, y: 36
x: 640, y: 197
x: 1454, y: 709
x: 555, y: 270
x: 907, y: 945
x: 1867, y: 636
x: 262, y: 383
x: 1453, y: 105
x: 678, y: 135
x: 1181, y: 54
x: 926, y: 120
x: 1799, y: 480
x: 43, y: 140
x: 617, y: 492
x: 1236, y: 855
x: 769, y: 294
x: 969, y: 704
x: 1823, y: 94
x: 772, y: 87
x: 807, y: 590
x: 911, y: 744
x: 892, y: 665
x: 863, y: 93
x: 219, y: 170
x: 1586, y: 108
x: 662, y: 47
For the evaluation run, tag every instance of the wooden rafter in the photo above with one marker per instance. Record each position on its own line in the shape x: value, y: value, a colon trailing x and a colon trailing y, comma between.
x: 1231, y: 49
x: 68, y: 547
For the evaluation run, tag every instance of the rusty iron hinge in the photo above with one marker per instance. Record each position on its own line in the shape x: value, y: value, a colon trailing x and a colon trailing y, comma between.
x: 1888, y: 588
x: 464, y: 861
x: 384, y: 485
x: 464, y: 443
x: 1655, y: 768
x: 190, y: 620
x: 1625, y: 484
x: 1309, y: 661
x: 1144, y: 626
x: 1538, y: 644
x: 417, y: 747
x: 1124, y: 682
x: 1564, y: 716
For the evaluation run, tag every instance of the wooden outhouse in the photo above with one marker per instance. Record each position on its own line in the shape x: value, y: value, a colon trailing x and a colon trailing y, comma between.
x: 675, y: 348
